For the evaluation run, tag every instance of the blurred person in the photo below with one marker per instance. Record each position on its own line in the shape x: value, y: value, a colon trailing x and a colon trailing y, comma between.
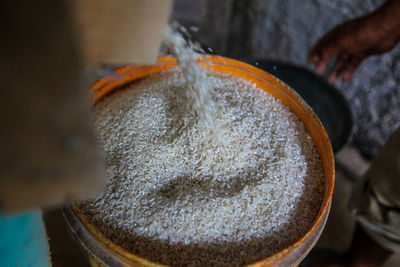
x: 376, y: 197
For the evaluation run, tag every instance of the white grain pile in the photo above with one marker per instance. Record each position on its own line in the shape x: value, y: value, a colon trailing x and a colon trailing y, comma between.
x: 176, y: 197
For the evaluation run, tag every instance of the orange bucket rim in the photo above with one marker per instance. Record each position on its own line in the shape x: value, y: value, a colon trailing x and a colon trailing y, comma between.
x: 124, y: 76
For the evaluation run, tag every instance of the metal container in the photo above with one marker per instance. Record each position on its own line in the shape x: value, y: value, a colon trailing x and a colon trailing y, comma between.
x: 104, y: 252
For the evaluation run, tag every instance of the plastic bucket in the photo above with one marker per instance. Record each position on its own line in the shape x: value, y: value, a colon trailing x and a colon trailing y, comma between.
x: 104, y: 252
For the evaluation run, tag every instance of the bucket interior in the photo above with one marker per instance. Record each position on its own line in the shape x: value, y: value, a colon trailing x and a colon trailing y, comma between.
x: 263, y: 80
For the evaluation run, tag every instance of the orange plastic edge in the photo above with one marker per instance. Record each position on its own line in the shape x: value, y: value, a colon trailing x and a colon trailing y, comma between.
x: 241, y: 70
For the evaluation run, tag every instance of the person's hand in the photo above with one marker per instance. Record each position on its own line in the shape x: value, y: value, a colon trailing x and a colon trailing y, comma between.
x: 351, y: 42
